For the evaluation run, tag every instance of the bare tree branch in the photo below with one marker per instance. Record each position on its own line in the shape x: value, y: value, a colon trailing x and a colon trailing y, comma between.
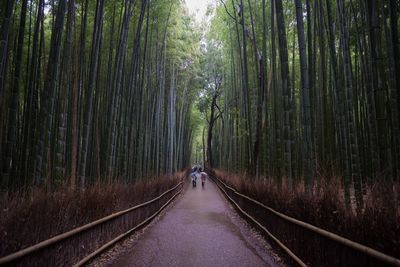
x: 219, y: 109
x: 259, y: 54
x: 226, y: 9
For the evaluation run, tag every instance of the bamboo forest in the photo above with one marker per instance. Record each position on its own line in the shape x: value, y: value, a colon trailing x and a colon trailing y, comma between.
x: 293, y: 103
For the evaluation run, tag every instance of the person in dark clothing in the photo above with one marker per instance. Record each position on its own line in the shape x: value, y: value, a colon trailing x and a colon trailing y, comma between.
x: 194, y: 178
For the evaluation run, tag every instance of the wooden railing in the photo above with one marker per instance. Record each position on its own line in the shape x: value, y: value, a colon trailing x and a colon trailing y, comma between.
x: 78, y: 246
x: 302, y: 241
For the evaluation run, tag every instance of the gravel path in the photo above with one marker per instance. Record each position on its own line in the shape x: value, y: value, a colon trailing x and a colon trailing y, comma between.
x: 200, y: 229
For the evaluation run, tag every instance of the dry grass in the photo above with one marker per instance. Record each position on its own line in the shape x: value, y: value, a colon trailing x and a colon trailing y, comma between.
x: 27, y: 218
x: 376, y: 225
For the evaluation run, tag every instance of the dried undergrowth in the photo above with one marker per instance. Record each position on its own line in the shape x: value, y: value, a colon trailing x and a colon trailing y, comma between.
x: 27, y: 218
x: 376, y: 225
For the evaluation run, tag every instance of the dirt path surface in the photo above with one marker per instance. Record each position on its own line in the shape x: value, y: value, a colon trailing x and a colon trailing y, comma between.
x: 201, y: 229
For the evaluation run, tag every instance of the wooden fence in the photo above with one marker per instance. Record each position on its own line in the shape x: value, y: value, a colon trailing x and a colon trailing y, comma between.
x: 305, y: 244
x: 78, y: 246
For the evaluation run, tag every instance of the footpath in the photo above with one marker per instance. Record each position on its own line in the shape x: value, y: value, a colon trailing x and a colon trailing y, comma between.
x: 200, y: 229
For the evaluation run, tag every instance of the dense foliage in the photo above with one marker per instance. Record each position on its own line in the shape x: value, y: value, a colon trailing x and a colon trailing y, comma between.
x: 95, y: 90
x: 309, y: 89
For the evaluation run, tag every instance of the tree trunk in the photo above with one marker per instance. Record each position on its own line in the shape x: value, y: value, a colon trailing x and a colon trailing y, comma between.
x: 4, y: 31
x: 352, y: 147
x: 286, y: 90
x: 305, y: 95
x: 66, y: 80
x: 396, y: 48
x: 91, y: 89
x: 44, y: 153
x: 210, y: 131
x: 379, y: 87
x: 10, y: 161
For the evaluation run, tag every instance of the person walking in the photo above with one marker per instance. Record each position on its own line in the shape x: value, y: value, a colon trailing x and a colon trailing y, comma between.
x: 203, y: 176
x: 194, y: 178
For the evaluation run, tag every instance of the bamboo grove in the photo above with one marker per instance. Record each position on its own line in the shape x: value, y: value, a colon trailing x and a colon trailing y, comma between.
x: 310, y: 89
x: 94, y: 90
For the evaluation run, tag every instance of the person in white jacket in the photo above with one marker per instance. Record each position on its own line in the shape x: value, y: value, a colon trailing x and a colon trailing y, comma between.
x: 203, y: 176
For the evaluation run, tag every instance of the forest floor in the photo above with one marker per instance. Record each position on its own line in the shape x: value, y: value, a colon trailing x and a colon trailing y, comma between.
x: 200, y: 229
